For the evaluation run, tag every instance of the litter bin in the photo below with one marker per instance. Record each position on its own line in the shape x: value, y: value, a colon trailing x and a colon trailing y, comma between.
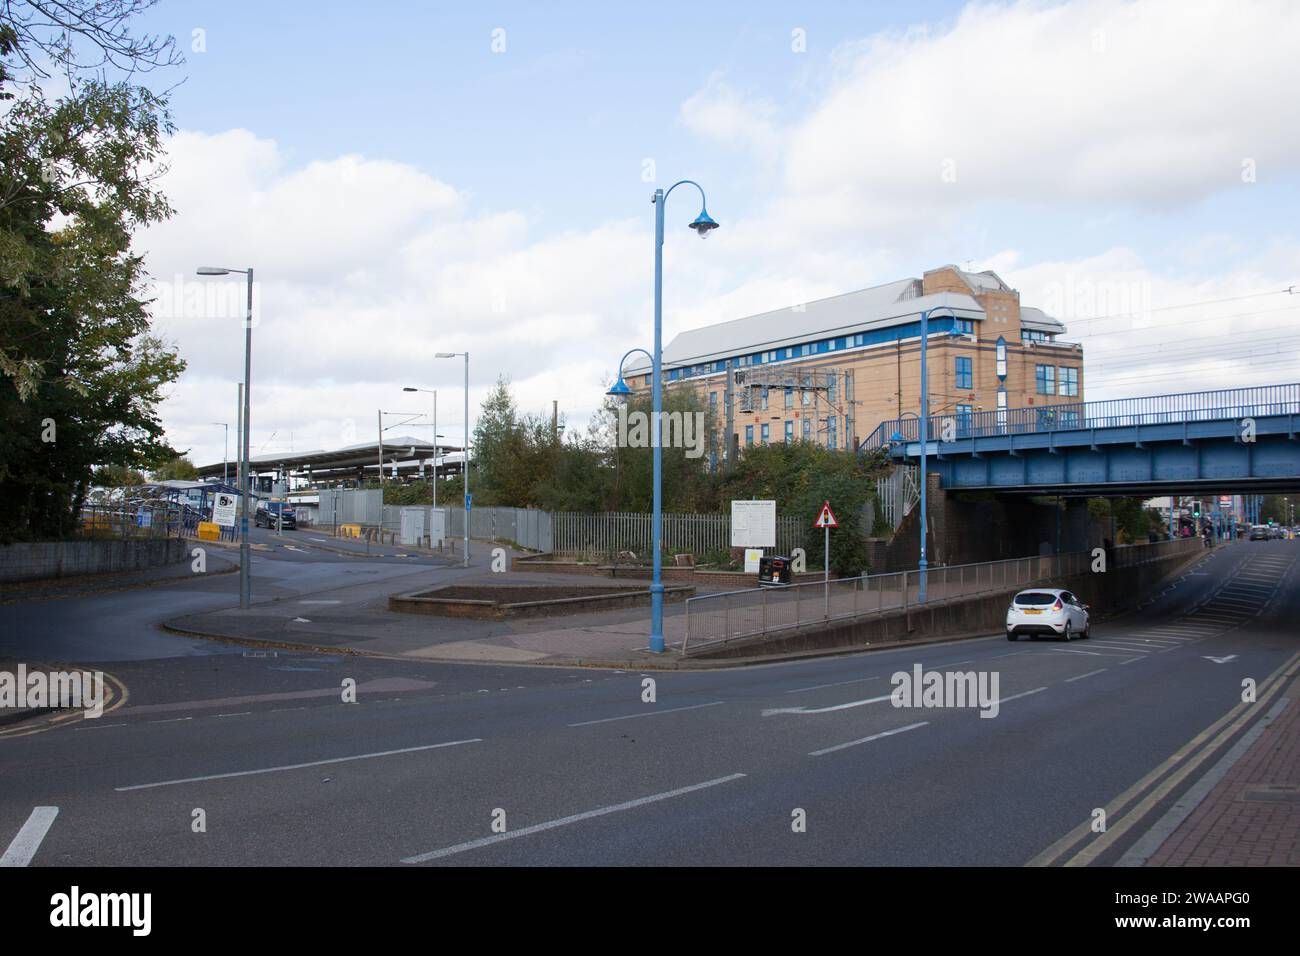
x: 773, y: 571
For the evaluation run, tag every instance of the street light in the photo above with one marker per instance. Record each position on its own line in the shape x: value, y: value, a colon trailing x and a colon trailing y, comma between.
x: 245, y: 482
x: 703, y: 224
x: 436, y: 436
x: 225, y: 449
x: 465, y: 472
x: 922, y: 426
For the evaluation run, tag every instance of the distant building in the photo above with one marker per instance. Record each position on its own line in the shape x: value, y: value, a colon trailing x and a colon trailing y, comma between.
x: 830, y: 371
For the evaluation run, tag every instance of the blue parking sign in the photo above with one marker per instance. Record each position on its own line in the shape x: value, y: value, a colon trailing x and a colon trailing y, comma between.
x: 469, y: 502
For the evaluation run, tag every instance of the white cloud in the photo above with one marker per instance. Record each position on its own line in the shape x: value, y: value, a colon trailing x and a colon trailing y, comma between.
x: 1084, y: 112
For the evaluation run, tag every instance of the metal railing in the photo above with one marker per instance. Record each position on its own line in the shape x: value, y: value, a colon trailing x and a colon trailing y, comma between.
x: 137, y: 519
x: 607, y: 533
x: 717, y: 618
x: 1223, y: 404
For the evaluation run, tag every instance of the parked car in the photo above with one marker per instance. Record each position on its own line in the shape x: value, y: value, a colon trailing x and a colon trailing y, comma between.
x: 272, y: 514
x: 1277, y: 532
x: 1259, y: 532
x: 1049, y: 611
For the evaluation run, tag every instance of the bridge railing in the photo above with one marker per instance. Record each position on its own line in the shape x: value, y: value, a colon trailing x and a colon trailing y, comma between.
x: 1233, y: 403
x: 718, y: 618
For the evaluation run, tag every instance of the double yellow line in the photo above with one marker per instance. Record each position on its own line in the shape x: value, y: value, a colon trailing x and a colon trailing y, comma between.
x: 115, y: 695
x: 1134, y: 804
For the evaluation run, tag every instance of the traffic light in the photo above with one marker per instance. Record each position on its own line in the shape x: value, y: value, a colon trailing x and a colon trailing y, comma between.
x: 1196, y: 509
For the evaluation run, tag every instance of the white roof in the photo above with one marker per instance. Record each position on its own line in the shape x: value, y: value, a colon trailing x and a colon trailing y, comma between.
x: 894, y: 303
x: 1039, y: 321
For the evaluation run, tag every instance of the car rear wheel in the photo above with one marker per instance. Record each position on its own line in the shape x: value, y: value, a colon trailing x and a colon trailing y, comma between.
x: 1068, y: 633
x: 1087, y: 631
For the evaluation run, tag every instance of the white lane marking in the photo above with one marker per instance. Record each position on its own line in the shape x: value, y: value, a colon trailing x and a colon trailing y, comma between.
x: 1159, y: 639
x: 838, y: 683
x: 867, y: 740
x: 1221, y: 660
x: 1063, y: 650
x: 1003, y: 700
x: 173, y: 720
x: 242, y: 713
x: 319, y: 602
x: 824, y: 710
x: 1131, y: 660
x: 28, y: 840
x: 1012, y: 654
x: 647, y: 713
x: 565, y: 821
x: 298, y: 766
x: 1119, y: 646
x: 1071, y: 680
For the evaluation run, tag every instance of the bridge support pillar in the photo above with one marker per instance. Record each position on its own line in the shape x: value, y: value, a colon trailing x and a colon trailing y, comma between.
x: 1075, y: 526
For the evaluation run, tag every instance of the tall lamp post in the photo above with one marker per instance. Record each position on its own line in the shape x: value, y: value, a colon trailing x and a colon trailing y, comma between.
x: 245, y: 480
x: 465, y: 471
x: 702, y: 225
x: 922, y: 428
x: 225, y: 449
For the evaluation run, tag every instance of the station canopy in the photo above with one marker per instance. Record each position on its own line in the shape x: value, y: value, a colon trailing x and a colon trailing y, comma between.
x: 350, y: 461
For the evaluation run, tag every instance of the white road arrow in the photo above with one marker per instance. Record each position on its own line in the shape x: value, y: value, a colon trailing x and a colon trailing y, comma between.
x: 1221, y: 660
x: 824, y: 710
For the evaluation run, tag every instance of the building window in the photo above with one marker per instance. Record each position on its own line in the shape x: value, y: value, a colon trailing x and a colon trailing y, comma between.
x: 764, y: 435
x: 762, y: 399
x: 789, y: 432
x: 1045, y: 379
x: 833, y: 390
x: 1002, y: 406
x: 830, y: 432
x: 965, y: 376
x: 1002, y: 357
x: 807, y: 429
x: 789, y: 398
x: 1069, y: 381
x: 749, y: 434
x: 805, y: 397
x: 713, y: 400
x: 966, y: 326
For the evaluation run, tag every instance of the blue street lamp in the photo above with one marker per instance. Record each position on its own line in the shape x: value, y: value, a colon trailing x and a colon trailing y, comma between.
x: 703, y: 225
x: 619, y: 389
x: 923, y: 421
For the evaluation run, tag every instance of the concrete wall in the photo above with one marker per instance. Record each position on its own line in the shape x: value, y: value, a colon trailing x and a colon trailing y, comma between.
x: 1107, y: 594
x: 61, y: 559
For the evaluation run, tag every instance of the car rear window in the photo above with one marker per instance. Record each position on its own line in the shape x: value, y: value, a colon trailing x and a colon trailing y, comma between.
x: 1035, y: 598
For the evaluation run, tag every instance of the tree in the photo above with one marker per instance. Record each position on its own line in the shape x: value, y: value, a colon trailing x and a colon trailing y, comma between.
x: 81, y: 375
x: 176, y: 468
x: 800, y: 476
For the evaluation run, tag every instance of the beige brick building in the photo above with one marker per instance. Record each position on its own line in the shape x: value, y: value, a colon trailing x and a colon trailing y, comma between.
x: 831, y: 371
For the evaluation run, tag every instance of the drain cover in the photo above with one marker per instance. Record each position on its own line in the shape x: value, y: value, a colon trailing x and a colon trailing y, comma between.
x: 1272, y: 793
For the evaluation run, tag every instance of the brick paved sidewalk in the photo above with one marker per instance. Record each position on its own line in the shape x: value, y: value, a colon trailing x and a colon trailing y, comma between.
x: 1252, y: 816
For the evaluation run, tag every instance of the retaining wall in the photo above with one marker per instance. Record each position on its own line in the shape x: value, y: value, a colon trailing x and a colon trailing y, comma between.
x: 39, y: 560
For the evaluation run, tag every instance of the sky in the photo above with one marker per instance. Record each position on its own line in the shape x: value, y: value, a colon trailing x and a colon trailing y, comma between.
x: 413, y: 178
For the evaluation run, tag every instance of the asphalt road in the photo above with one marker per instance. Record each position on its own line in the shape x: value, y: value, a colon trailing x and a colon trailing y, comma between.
x: 573, y: 767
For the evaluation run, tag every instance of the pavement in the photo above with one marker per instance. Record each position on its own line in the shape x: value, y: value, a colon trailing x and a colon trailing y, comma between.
x: 309, y: 758
x: 1251, y: 816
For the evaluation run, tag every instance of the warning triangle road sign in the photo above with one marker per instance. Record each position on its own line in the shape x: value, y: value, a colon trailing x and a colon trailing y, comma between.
x: 827, y: 517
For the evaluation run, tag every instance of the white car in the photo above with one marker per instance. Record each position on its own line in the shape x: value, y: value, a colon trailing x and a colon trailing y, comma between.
x: 1049, y: 611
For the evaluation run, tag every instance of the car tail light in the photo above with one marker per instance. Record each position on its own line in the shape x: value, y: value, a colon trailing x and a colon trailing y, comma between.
x: 1058, y: 605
